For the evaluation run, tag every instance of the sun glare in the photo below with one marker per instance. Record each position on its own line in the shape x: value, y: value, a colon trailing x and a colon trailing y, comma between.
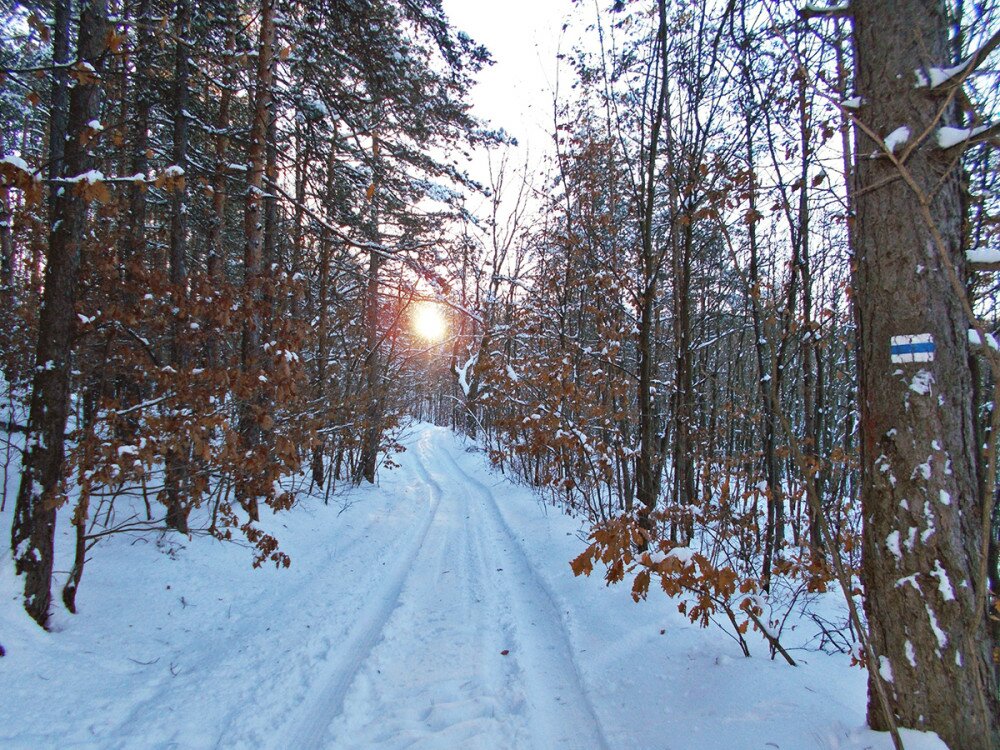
x: 428, y: 321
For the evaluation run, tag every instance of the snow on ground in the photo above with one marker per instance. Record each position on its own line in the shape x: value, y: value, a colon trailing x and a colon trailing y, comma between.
x: 437, y: 611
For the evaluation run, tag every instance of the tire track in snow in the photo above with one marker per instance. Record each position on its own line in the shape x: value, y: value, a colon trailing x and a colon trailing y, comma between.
x: 309, y: 726
x: 562, y: 712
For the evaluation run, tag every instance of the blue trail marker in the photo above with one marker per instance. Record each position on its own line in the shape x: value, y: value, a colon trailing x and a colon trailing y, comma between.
x: 916, y: 348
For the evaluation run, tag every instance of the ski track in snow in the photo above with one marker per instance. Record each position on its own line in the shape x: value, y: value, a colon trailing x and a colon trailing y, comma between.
x: 251, y: 677
x: 563, y: 715
x: 435, y: 612
x: 312, y: 720
x: 430, y: 670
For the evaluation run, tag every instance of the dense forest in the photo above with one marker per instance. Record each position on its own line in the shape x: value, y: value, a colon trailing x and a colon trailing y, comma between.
x: 740, y: 318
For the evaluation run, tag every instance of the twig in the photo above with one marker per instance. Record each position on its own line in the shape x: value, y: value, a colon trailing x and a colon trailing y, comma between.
x: 771, y: 638
x: 143, y: 663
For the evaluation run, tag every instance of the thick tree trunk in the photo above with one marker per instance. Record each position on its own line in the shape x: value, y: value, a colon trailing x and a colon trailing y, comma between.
x: 41, y: 488
x: 920, y: 497
x: 61, y: 12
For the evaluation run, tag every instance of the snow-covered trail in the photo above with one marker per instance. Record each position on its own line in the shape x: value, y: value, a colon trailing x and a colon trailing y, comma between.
x: 470, y: 652
x: 310, y: 721
x: 435, y: 611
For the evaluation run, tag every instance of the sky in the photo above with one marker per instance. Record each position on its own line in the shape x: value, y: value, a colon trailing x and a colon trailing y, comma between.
x: 516, y: 92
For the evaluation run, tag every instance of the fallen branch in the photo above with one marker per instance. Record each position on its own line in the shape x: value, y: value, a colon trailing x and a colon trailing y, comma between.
x: 775, y: 644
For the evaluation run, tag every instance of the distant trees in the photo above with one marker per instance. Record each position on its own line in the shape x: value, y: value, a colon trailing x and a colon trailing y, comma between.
x: 702, y: 345
x: 229, y: 187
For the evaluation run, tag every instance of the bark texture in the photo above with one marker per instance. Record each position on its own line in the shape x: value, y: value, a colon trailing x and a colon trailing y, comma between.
x: 177, y: 469
x: 250, y: 409
x: 647, y: 478
x: 40, y: 491
x: 921, y: 499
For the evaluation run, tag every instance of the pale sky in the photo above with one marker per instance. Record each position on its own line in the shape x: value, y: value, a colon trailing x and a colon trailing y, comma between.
x: 523, y: 36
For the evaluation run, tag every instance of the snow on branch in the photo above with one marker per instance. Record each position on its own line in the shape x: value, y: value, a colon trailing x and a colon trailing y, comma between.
x: 897, y: 138
x: 816, y: 10
x: 893, y: 141
x: 948, y: 137
x: 94, y: 177
x: 17, y: 163
x: 90, y: 177
x: 935, y: 78
x: 976, y: 341
x: 463, y: 373
x: 14, y: 171
x: 984, y: 259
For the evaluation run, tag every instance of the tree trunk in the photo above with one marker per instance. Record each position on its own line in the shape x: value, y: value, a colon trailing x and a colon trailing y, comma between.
x: 41, y: 488
x: 135, y: 239
x: 61, y: 12
x: 921, y: 502
x: 372, y: 436
x: 127, y: 385
x: 683, y: 454
x: 647, y: 480
x: 177, y: 465
x: 6, y: 248
x: 322, y: 305
x: 810, y: 356
x: 372, y: 368
x: 247, y: 487
x: 764, y: 351
x: 217, y: 227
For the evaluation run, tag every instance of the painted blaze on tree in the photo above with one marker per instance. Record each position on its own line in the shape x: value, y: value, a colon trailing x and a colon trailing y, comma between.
x: 922, y: 500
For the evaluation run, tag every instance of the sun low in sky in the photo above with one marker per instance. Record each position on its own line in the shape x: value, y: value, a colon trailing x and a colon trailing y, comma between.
x: 427, y: 321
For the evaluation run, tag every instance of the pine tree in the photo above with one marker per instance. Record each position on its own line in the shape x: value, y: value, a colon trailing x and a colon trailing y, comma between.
x: 923, y: 502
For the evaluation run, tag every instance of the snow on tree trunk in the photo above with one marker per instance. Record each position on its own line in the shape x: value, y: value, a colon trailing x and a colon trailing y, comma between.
x: 177, y: 465
x: 41, y: 488
x: 250, y: 409
x: 921, y: 500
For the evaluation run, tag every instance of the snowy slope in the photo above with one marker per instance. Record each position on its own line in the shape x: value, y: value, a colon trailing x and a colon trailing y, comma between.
x: 436, y: 610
